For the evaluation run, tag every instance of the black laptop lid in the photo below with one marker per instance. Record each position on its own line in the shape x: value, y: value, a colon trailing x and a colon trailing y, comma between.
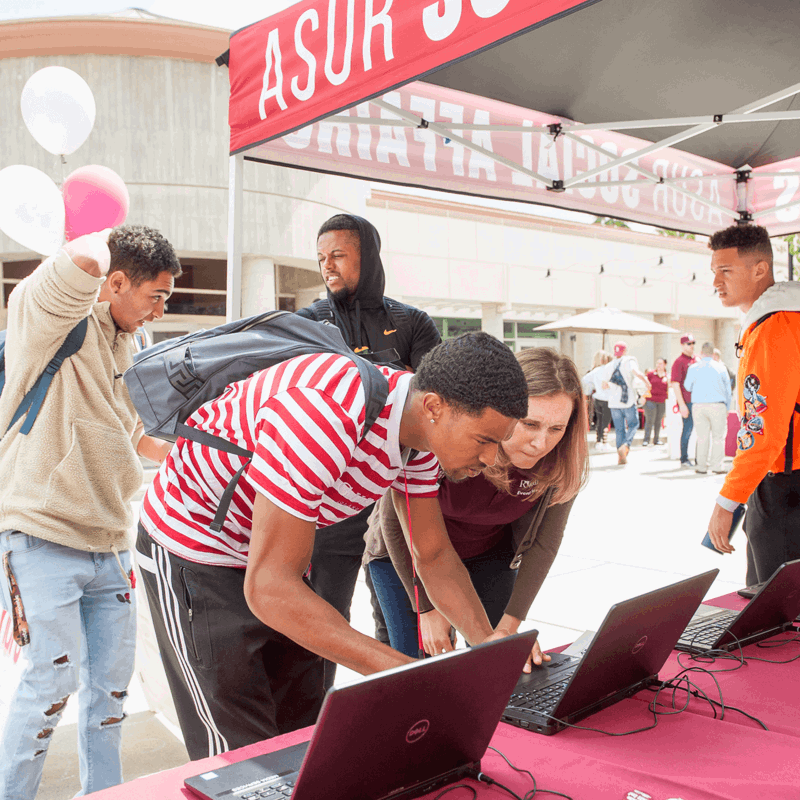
x: 777, y: 603
x: 633, y: 642
x: 408, y: 725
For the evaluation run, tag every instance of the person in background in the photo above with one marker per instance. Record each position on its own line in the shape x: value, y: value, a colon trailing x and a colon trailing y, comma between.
x: 65, y: 498
x: 766, y: 468
x: 710, y: 386
x: 592, y: 383
x: 618, y: 376
x: 717, y: 356
x: 682, y: 395
x: 656, y: 403
x: 382, y: 330
x: 506, y: 524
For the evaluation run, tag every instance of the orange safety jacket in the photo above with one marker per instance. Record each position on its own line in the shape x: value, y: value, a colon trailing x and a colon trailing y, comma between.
x: 768, y: 388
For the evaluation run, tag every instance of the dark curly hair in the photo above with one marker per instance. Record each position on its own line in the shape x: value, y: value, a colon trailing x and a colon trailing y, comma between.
x: 474, y: 372
x: 341, y: 222
x: 747, y: 239
x: 142, y: 253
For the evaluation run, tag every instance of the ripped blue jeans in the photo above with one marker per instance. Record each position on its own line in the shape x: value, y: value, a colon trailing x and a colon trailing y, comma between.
x: 80, y: 616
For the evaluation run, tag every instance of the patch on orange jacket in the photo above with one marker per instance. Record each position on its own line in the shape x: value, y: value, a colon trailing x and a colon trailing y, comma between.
x: 755, y: 405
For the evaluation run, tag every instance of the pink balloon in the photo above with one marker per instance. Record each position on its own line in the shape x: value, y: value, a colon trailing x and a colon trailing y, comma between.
x: 95, y: 198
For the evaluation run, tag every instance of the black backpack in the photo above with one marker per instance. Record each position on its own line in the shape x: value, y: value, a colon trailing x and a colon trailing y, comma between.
x: 169, y: 381
x: 31, y: 404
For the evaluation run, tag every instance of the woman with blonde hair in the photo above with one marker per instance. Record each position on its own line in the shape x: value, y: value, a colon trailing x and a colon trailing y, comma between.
x: 506, y: 524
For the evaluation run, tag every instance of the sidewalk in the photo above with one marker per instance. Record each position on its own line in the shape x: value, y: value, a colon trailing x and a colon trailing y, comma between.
x: 634, y: 528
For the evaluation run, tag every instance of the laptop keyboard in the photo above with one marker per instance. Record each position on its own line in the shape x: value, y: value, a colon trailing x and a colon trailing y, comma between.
x: 274, y: 792
x: 706, y: 631
x: 543, y: 700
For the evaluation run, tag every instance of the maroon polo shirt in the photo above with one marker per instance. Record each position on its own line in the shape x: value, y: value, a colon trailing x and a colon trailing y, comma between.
x: 679, y: 369
x: 477, y: 514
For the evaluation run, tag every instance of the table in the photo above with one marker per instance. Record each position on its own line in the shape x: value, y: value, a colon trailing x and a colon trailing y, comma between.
x: 688, y: 756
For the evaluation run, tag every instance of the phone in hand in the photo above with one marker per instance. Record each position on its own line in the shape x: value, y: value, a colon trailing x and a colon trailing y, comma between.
x: 738, y: 515
x: 749, y: 592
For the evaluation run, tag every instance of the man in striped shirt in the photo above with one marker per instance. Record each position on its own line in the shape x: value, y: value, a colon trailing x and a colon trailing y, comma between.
x: 240, y: 630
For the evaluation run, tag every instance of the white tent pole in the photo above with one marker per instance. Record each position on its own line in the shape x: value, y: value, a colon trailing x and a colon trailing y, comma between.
x: 657, y: 178
x: 681, y: 137
x: 767, y: 211
x: 448, y: 134
x: 638, y: 124
x: 233, y: 307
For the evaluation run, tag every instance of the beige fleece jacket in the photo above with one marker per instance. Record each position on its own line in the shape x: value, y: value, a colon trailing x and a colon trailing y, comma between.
x: 71, y: 479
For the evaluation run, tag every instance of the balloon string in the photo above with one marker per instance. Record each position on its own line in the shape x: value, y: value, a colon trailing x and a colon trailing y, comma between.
x: 63, y: 164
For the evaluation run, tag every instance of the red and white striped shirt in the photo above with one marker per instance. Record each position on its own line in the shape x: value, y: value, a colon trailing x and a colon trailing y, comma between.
x: 303, y: 419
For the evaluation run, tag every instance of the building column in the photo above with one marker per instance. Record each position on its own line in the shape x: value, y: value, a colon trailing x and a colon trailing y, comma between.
x: 258, y: 285
x: 492, y: 320
x: 662, y: 342
x: 725, y: 335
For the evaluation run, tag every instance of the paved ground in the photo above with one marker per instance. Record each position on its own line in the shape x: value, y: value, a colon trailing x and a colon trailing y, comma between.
x: 633, y: 529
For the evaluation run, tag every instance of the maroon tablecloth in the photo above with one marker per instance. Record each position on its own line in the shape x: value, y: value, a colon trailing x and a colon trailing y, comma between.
x: 689, y: 756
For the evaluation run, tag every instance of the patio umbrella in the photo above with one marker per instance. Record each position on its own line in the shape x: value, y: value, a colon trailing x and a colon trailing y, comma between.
x: 607, y: 320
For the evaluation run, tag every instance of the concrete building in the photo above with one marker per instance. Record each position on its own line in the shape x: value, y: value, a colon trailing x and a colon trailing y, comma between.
x: 162, y: 126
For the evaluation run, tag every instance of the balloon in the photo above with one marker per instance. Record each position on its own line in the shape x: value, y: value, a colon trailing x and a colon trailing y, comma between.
x: 31, y: 209
x: 95, y: 198
x: 58, y: 108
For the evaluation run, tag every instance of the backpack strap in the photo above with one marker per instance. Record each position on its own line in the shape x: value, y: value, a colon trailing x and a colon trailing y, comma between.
x: 321, y: 310
x: 32, y: 402
x: 401, y: 319
x: 376, y: 390
x: 787, y: 464
x: 738, y: 348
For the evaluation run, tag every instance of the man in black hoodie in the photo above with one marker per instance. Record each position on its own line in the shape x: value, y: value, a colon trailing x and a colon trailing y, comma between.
x: 382, y: 330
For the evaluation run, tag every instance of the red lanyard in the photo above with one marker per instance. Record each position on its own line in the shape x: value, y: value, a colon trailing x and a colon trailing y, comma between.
x: 420, y: 648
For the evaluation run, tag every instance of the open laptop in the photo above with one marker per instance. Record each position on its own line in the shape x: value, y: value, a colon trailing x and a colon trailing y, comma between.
x: 772, y: 610
x: 396, y: 734
x: 629, y: 649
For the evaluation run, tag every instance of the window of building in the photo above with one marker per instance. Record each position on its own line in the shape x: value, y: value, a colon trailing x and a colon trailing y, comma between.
x: 450, y: 327
x: 201, y: 289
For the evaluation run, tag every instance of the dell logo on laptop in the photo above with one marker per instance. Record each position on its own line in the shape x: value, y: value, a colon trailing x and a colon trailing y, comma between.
x: 417, y: 731
x: 639, y: 645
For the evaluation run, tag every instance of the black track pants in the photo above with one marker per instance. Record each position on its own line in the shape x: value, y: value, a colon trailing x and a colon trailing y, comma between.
x: 234, y: 680
x: 772, y: 524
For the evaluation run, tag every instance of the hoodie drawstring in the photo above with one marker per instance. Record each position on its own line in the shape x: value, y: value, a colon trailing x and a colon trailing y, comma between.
x: 121, y: 568
x: 358, y: 324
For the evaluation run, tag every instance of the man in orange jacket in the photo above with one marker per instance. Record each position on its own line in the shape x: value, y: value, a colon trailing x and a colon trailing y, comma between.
x: 766, y: 469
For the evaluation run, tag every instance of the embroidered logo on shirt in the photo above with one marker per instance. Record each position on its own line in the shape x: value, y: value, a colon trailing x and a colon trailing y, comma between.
x: 525, y: 488
x: 386, y: 333
x: 755, y: 404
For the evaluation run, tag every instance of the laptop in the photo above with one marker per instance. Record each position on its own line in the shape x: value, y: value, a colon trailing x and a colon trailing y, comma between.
x: 396, y: 734
x: 625, y: 655
x: 773, y: 609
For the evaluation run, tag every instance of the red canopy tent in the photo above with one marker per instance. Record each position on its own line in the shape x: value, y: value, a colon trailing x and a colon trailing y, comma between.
x: 665, y: 112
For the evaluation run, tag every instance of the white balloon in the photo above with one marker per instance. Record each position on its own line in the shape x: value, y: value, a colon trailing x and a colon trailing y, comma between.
x: 59, y: 109
x: 31, y: 209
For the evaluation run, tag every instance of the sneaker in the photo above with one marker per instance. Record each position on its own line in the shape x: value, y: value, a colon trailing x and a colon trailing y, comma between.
x: 686, y: 464
x: 622, y: 454
x: 700, y: 471
x: 644, y: 444
x: 720, y: 471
